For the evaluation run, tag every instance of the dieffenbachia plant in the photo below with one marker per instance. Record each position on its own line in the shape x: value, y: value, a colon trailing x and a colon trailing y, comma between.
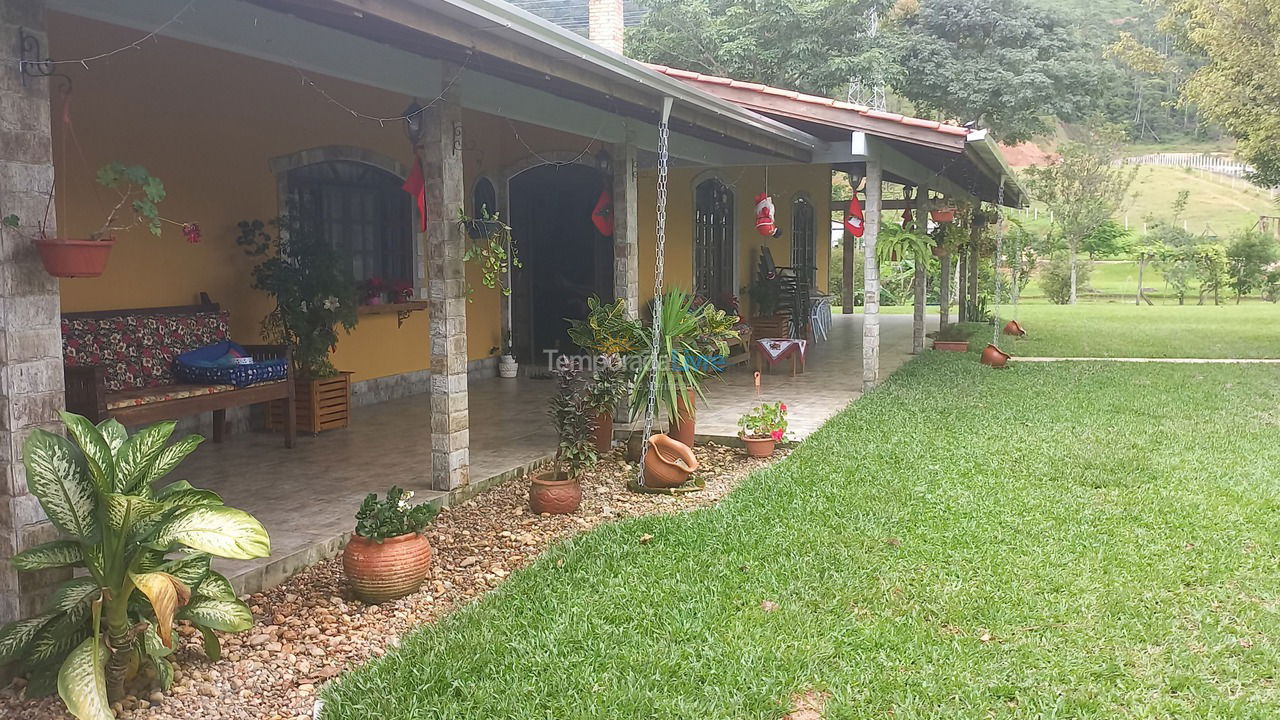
x: 145, y: 552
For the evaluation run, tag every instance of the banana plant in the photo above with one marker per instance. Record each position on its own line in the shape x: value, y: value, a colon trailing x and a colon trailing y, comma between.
x: 143, y: 552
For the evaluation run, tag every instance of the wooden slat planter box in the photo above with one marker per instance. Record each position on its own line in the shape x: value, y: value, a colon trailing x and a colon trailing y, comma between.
x: 321, y: 405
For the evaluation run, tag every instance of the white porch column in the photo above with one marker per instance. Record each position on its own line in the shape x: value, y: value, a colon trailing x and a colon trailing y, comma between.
x: 31, y: 392
x: 626, y: 228
x: 921, y: 274
x: 871, y: 274
x: 446, y: 291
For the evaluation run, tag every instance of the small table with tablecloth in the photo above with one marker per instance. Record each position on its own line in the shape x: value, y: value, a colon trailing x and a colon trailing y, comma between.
x: 775, y: 350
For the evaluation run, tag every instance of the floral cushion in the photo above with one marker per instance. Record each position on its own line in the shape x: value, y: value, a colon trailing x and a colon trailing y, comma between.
x: 144, y: 396
x: 138, y: 350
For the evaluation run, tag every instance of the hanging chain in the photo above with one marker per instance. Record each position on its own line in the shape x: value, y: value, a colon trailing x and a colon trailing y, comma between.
x: 651, y: 407
x: 1000, y: 229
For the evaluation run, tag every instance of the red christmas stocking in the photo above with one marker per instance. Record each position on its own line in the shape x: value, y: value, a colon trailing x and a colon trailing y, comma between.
x: 602, y: 214
x: 853, y: 222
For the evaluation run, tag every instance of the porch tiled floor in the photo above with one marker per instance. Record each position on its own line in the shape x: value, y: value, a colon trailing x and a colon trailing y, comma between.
x: 307, y: 497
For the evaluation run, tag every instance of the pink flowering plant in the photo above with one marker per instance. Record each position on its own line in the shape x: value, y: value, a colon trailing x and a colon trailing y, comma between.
x: 768, y: 420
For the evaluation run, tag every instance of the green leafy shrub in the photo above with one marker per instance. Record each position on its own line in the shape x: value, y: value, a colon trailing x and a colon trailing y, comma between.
x: 98, y: 490
x: 381, y: 519
x: 1055, y: 278
x: 574, y: 420
x: 309, y: 280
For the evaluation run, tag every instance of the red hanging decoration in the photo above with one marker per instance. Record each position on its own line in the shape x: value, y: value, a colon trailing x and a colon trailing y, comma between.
x: 854, y: 222
x: 765, y: 223
x: 907, y: 219
x: 416, y: 185
x: 602, y: 214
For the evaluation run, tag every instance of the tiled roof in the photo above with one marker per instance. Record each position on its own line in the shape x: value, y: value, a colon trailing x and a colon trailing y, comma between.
x: 863, y: 110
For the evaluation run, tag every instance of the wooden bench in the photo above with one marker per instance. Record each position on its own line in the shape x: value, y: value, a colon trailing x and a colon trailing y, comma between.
x: 119, y: 364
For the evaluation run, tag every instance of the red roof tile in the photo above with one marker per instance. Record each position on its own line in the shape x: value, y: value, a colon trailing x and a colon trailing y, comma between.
x: 813, y: 100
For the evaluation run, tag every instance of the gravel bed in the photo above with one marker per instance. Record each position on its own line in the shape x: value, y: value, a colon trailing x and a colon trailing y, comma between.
x: 311, y: 629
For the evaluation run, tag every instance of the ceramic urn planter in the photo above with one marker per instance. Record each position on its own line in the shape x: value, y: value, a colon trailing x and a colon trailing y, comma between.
x: 382, y: 571
x: 1013, y: 328
x: 669, y: 462
x: 554, y: 493
x: 995, y: 357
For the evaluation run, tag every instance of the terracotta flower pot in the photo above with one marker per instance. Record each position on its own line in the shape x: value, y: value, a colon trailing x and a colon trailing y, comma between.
x: 759, y: 447
x: 393, y: 568
x: 555, y: 493
x: 1013, y: 328
x: 669, y: 462
x: 995, y: 357
x: 603, y: 433
x: 951, y: 345
x: 66, y: 258
x: 683, y: 428
x: 943, y: 216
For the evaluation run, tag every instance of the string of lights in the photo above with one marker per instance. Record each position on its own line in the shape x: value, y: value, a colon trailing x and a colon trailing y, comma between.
x: 135, y: 45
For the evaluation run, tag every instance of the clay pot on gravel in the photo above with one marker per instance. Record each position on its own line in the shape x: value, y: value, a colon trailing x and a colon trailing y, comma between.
x: 555, y: 493
x: 683, y: 428
x: 759, y: 447
x: 995, y: 357
x: 669, y: 462
x: 603, y: 434
x: 382, y: 571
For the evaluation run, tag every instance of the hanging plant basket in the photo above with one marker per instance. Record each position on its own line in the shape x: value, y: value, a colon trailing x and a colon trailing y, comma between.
x: 67, y: 258
x: 480, y: 229
x: 940, y: 251
x: 945, y: 215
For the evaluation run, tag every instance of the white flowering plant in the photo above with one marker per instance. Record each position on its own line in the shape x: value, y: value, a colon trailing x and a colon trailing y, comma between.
x: 393, y: 516
x: 310, y: 281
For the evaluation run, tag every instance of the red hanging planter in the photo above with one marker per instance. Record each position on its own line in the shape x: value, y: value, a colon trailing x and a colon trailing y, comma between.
x: 67, y: 258
x: 945, y: 215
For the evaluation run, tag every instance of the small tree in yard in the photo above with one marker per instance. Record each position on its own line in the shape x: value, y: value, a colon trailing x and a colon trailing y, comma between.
x: 1250, y: 256
x: 1057, y: 279
x: 1083, y: 189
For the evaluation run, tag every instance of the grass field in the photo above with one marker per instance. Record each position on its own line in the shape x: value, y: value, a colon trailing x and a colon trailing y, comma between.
x: 1070, y: 541
x: 1125, y: 330
x: 1214, y: 206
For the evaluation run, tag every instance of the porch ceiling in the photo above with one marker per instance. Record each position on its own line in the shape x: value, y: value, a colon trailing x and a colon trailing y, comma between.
x: 500, y: 40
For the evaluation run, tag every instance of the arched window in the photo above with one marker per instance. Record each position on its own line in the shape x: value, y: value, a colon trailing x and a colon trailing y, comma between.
x: 713, y: 240
x: 804, y: 246
x: 361, y: 210
x: 483, y: 198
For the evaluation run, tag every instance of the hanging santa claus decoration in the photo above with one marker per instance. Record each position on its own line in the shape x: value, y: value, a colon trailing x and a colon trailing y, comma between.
x: 853, y: 221
x: 602, y: 213
x: 765, y: 223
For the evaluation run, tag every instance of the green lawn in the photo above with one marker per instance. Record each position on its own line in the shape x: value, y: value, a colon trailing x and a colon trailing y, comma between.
x: 1067, y: 541
x: 1125, y: 330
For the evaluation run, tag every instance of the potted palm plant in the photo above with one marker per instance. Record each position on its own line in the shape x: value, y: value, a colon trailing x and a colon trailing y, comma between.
x: 139, y: 195
x: 140, y: 552
x: 557, y: 491
x: 308, y: 279
x: 388, y: 557
x: 763, y: 428
x: 692, y: 342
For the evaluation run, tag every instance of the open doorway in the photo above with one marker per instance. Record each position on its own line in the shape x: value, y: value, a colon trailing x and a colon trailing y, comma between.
x: 565, y: 259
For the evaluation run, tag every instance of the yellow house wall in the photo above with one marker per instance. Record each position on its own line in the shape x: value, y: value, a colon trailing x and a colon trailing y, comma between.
x: 207, y: 122
x: 784, y: 183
